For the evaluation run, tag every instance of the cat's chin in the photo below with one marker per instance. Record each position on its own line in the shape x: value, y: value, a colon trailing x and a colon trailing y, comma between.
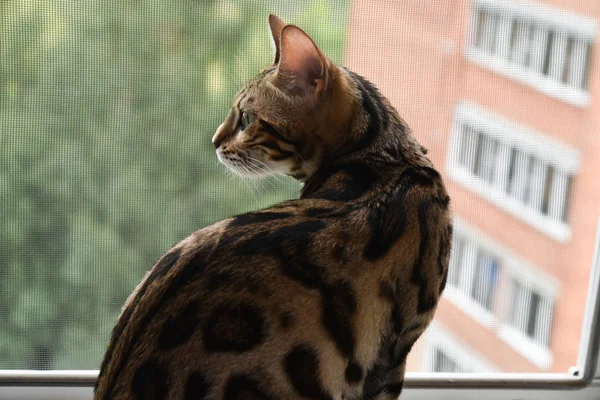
x: 251, y: 169
x: 246, y: 170
x: 245, y: 173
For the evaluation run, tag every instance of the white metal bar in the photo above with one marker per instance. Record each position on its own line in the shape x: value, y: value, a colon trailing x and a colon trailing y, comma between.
x: 518, y: 305
x: 521, y: 42
x: 489, y: 158
x: 502, y: 166
x: 589, y: 346
x: 578, y: 59
x: 558, y: 196
x: 538, y: 50
x: 28, y: 377
x: 523, y: 308
x: 526, y: 316
x: 483, y: 140
x: 473, y: 137
x: 544, y: 322
x: 474, y: 26
x: 457, y: 153
x: 485, y: 270
x: 536, y: 185
x: 71, y: 378
x: 488, y: 32
x: 468, y: 268
x: 453, y: 391
x: 519, y: 182
x: 557, y: 54
x: 503, y: 35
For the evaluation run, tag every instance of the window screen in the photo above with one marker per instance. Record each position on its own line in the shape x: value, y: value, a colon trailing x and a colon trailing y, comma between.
x: 107, y: 110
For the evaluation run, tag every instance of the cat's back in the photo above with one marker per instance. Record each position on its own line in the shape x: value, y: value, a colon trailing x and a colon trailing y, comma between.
x: 245, y: 306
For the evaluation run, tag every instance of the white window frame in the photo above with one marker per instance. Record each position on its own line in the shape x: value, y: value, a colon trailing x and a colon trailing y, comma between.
x: 544, y: 18
x: 564, y: 159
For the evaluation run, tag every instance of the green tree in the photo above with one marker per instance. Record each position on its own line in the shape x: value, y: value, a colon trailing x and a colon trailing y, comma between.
x: 106, y: 114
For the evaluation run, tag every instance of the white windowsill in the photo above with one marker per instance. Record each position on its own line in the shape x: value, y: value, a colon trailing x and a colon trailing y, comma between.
x: 469, y: 306
x: 538, y: 355
x: 432, y: 392
x: 548, y: 86
x: 556, y: 230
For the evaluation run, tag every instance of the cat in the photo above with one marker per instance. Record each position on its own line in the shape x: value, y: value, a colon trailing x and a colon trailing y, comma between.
x: 321, y: 297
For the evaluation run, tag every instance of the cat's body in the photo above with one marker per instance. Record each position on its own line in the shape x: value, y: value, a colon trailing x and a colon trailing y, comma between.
x: 316, y: 298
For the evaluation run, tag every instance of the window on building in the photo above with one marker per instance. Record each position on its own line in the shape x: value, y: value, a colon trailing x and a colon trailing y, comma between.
x: 528, y: 315
x: 501, y: 159
x: 531, y: 181
x: 546, y: 52
x: 445, y: 352
x: 529, y: 312
x: 474, y: 270
x: 443, y: 362
x: 499, y: 290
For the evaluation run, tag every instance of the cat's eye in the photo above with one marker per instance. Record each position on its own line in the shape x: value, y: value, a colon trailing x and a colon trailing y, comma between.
x: 247, y: 118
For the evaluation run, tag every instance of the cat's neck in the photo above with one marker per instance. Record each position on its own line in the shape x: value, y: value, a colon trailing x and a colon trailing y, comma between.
x: 371, y: 143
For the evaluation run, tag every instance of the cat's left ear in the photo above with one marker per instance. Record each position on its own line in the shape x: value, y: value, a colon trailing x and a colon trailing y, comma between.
x: 276, y: 24
x: 302, y: 66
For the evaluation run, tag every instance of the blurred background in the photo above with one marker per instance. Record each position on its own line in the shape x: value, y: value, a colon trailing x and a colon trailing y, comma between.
x: 107, y: 110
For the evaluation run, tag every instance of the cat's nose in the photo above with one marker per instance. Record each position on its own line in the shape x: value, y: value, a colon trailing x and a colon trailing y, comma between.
x: 217, y: 139
x: 219, y: 136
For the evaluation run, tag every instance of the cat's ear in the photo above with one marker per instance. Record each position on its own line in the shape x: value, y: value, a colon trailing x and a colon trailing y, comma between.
x: 276, y: 24
x: 302, y: 66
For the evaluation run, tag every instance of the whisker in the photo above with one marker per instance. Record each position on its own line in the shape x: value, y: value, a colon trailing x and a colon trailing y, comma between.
x: 298, y: 155
x: 261, y: 167
x: 249, y: 180
x: 264, y: 167
x: 236, y: 171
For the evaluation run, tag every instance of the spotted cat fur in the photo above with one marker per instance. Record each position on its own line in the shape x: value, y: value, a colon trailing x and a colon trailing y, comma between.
x: 316, y: 298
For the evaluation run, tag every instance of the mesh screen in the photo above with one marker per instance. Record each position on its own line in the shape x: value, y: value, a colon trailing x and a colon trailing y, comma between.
x: 107, y: 110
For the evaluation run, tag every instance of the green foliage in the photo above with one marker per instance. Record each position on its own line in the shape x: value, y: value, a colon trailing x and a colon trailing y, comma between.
x: 106, y: 114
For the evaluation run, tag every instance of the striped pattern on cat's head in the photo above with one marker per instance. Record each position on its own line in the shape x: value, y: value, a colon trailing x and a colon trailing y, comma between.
x: 297, y: 114
x: 303, y: 112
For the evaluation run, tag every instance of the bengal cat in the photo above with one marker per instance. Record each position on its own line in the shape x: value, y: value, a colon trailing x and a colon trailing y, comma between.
x: 316, y: 298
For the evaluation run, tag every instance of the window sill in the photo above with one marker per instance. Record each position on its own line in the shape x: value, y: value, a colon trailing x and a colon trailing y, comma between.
x: 592, y: 392
x: 558, y: 231
x: 547, y: 86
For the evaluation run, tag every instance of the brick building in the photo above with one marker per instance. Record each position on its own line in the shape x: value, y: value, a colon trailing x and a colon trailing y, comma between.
x: 506, y: 97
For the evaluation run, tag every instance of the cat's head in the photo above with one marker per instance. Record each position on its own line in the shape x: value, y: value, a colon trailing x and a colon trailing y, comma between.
x: 285, y: 121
